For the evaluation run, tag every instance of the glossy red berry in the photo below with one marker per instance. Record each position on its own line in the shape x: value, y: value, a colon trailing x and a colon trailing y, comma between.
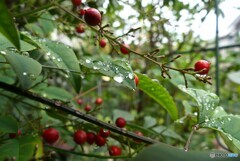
x: 81, y: 12
x: 136, y: 79
x: 80, y: 137
x: 140, y: 134
x: 13, y: 135
x: 91, y: 138
x: 102, y: 43
x: 50, y: 135
x: 99, y: 101
x: 80, y: 28
x: 104, y: 133
x: 79, y: 101
x: 87, y: 108
x: 120, y: 122
x: 92, y: 17
x: 124, y: 49
x: 76, y: 2
x: 203, y: 66
x: 114, y: 150
x: 100, y: 141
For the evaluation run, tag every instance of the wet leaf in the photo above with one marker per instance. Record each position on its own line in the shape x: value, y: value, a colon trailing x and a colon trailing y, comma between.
x: 26, y: 68
x: 157, y: 92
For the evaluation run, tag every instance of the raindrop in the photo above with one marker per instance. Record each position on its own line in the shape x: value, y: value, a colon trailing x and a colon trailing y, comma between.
x: 66, y: 75
x: 229, y: 119
x: 88, y: 61
x: 53, y: 58
x: 48, y: 53
x: 206, y: 120
x: 155, y: 80
x: 96, y: 68
x: 59, y: 59
x: 25, y: 53
x: 118, y: 78
x: 130, y: 75
x: 195, y: 113
x: 229, y: 137
x: 3, y: 53
x: 24, y: 73
x: 32, y: 76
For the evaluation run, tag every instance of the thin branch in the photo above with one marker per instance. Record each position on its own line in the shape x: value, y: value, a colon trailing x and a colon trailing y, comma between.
x: 62, y: 107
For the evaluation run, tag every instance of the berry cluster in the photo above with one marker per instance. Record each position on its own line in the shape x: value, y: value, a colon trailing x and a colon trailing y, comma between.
x: 88, y: 107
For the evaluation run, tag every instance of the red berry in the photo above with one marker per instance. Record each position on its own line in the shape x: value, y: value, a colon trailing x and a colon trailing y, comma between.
x: 87, y: 108
x: 92, y: 17
x: 104, y: 133
x: 76, y: 2
x: 91, y: 138
x: 80, y: 137
x: 136, y: 79
x: 120, y: 122
x: 100, y: 141
x: 102, y: 43
x: 80, y: 28
x: 79, y: 101
x: 203, y: 66
x: 50, y: 135
x: 114, y: 150
x: 81, y: 12
x: 99, y: 101
x: 124, y: 49
x: 140, y: 134
x: 13, y: 135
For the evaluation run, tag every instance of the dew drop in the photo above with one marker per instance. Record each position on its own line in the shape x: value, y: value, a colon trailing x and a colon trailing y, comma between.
x: 96, y: 68
x: 24, y: 73
x: 130, y: 75
x: 59, y: 59
x: 88, y: 61
x: 195, y: 113
x: 118, y: 78
x: 229, y: 119
x: 3, y: 53
x: 48, y: 53
x: 53, y: 58
x: 25, y: 53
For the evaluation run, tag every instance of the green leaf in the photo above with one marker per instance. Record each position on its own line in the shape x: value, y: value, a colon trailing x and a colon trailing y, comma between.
x: 228, y: 125
x: 52, y: 92
x: 8, y: 124
x: 164, y: 152
x: 34, y: 28
x: 120, y: 113
x: 4, y: 44
x: 26, y: 68
x: 21, y: 149
x: 120, y: 70
x: 7, y: 26
x: 149, y: 121
x: 235, y: 77
x: 206, y: 101
x: 9, y: 149
x: 158, y: 93
x: 168, y: 132
x: 46, y: 22
x: 62, y: 56
x: 215, y: 117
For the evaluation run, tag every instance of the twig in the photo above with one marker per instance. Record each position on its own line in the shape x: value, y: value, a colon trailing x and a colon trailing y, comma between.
x: 62, y: 107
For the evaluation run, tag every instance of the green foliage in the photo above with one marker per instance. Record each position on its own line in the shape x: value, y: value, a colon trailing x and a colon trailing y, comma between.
x: 159, y: 94
x: 7, y: 26
x: 165, y: 152
x: 27, y: 69
x: 213, y: 116
x: 8, y: 124
x: 21, y: 149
